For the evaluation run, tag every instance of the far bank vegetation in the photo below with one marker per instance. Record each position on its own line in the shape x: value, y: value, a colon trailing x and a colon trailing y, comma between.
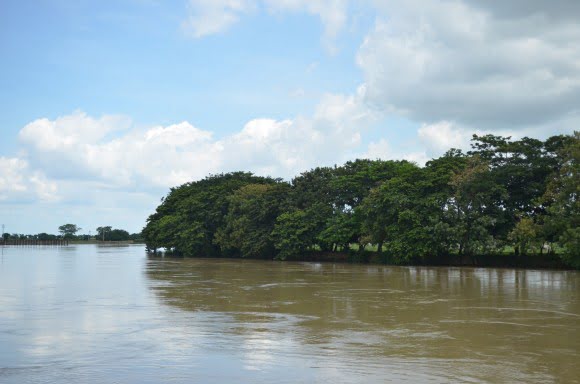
x: 505, y: 196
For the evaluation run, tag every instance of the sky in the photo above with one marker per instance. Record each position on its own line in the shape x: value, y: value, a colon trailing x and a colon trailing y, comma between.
x: 105, y: 105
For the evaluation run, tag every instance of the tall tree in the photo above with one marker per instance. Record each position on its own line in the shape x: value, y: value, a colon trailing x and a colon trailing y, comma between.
x: 68, y: 230
x: 297, y: 230
x: 187, y: 219
x: 475, y: 207
x: 103, y: 232
x: 563, y: 200
x: 522, y: 168
x: 251, y: 217
x: 398, y: 214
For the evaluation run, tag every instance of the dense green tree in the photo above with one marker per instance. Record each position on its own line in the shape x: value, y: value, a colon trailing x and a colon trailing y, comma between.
x: 475, y: 209
x: 522, y: 168
x: 313, y: 195
x: 295, y: 231
x: 188, y: 218
x: 68, y: 231
x: 399, y: 215
x: 355, y: 179
x: 250, y: 220
x: 341, y: 230
x: 136, y: 236
x: 563, y: 200
x: 354, y: 182
x: 524, y: 235
x: 118, y: 235
x: 103, y: 232
x: 313, y: 187
x: 45, y: 236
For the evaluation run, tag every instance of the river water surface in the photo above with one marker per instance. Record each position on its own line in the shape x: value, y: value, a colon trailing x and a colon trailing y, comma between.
x: 91, y: 314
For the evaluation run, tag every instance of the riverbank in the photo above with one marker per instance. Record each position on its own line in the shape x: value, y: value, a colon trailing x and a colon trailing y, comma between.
x: 531, y: 261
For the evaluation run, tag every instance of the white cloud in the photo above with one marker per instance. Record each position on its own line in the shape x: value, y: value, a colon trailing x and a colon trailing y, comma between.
x: 45, y: 189
x: 473, y: 64
x: 72, y: 130
x: 287, y: 147
x: 383, y: 150
x: 442, y: 136
x: 332, y: 13
x: 208, y: 17
x: 19, y: 183
x: 378, y: 150
x: 11, y: 175
x: 161, y: 157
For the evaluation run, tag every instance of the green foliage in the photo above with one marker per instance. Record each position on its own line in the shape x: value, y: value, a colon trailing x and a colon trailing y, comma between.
x: 474, y: 210
x: 524, y: 235
x: 299, y: 230
x: 187, y: 219
x: 521, y: 168
x: 68, y: 231
x: 562, y: 198
x: 119, y: 235
x: 341, y: 230
x: 397, y: 213
x: 503, y: 194
x: 293, y: 234
x: 102, y: 232
x: 108, y: 233
x: 45, y: 237
x: 250, y: 220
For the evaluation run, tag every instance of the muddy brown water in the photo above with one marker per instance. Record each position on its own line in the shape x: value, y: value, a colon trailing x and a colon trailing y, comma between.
x: 90, y: 314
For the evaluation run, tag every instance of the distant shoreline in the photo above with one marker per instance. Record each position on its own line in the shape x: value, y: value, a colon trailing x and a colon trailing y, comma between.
x: 25, y: 242
x: 105, y: 242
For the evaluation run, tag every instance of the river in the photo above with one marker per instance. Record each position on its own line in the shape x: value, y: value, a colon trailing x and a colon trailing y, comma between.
x: 103, y: 314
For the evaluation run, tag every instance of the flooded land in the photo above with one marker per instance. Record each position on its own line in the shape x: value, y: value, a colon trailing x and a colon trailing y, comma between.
x: 90, y: 314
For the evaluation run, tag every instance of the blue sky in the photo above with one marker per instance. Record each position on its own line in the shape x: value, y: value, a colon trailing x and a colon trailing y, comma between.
x: 106, y: 105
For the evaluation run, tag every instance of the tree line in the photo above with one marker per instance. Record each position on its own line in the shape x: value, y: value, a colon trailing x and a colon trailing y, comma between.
x: 70, y: 232
x: 502, y: 196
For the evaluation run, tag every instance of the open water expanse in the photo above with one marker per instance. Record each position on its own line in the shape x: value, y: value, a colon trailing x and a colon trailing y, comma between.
x: 101, y: 314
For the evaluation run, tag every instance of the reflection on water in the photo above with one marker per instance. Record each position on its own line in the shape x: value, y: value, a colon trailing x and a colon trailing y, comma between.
x: 489, y: 325
x: 109, y: 314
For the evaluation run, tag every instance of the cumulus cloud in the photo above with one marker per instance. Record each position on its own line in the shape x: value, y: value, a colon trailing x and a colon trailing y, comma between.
x: 156, y: 156
x: 443, y: 135
x: 11, y: 175
x: 560, y: 9
x: 164, y: 156
x: 481, y: 64
x: 71, y: 130
x: 380, y: 149
x: 290, y: 146
x: 332, y: 14
x: 18, y: 182
x: 208, y: 17
x: 383, y: 150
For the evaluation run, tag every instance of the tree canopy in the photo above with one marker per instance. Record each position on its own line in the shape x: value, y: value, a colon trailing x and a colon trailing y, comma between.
x: 503, y: 195
x: 68, y: 230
